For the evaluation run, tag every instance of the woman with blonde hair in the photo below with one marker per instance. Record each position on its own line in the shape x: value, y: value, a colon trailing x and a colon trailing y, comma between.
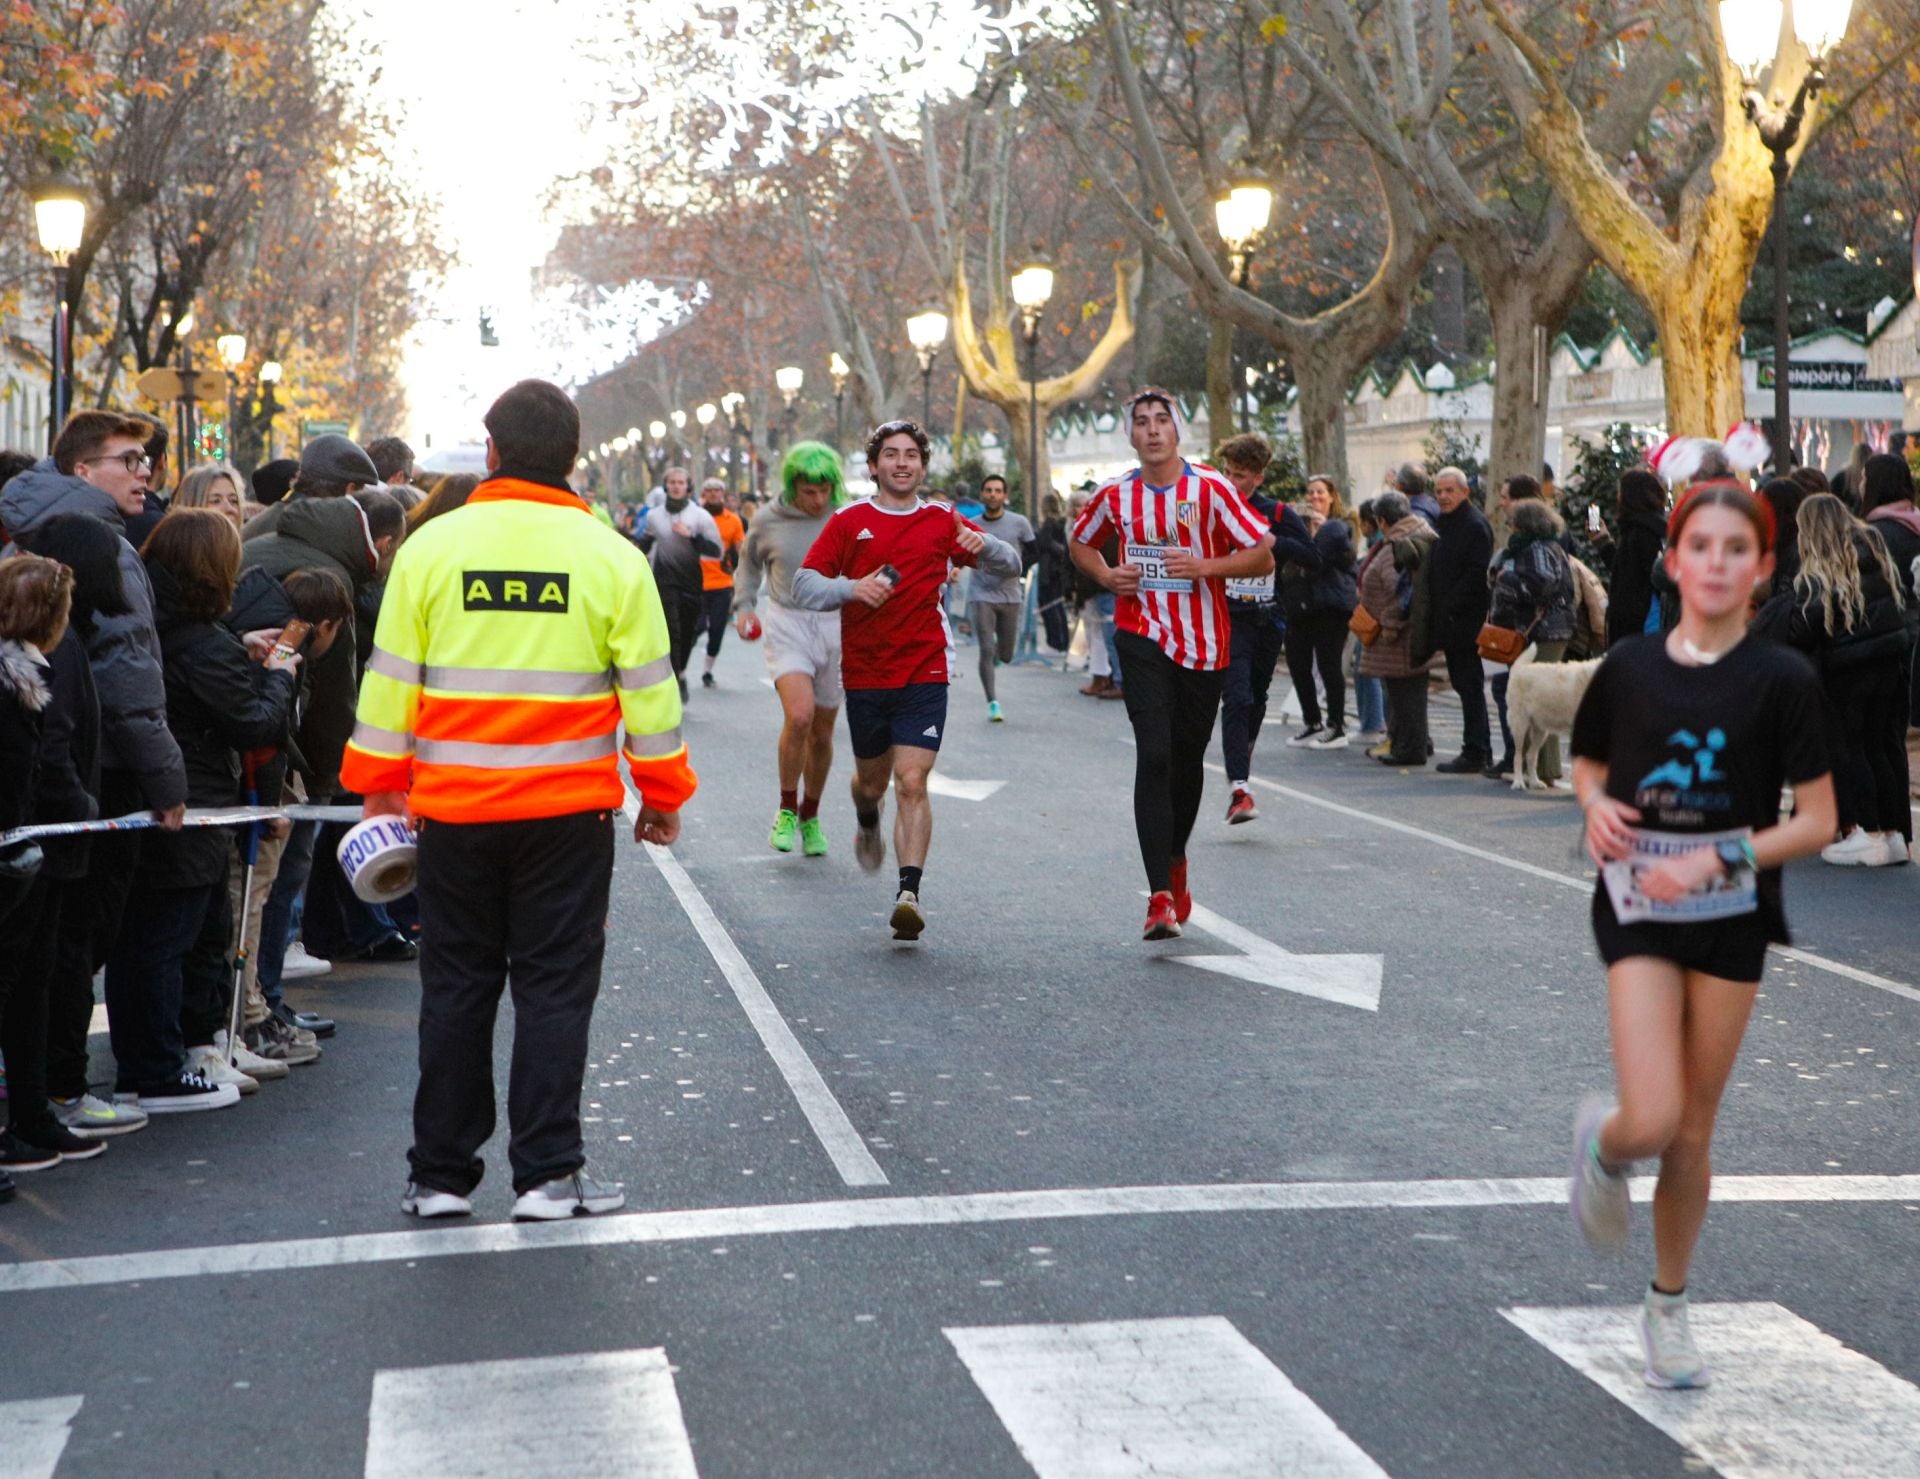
x: 214, y: 485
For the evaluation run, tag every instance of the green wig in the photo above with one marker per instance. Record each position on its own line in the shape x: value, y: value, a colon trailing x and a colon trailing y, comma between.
x: 812, y: 462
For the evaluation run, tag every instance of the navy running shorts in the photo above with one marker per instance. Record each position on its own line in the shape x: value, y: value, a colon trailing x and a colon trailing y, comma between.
x: 880, y: 718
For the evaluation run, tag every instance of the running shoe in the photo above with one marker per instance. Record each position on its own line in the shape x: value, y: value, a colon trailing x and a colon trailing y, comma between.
x: 578, y: 1195
x: 869, y: 847
x: 907, y: 920
x: 786, y: 825
x: 1334, y: 739
x: 1673, y: 1361
x: 994, y: 716
x: 1241, y: 809
x: 430, y: 1201
x: 1308, y: 736
x: 813, y: 838
x: 17, y: 1156
x: 706, y: 681
x: 1598, y: 1194
x: 93, y: 1118
x: 1161, y: 923
x: 1182, y: 900
x: 54, y: 1137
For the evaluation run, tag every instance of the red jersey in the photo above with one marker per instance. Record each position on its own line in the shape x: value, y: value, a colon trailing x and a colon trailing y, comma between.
x: 1200, y: 512
x: 908, y: 639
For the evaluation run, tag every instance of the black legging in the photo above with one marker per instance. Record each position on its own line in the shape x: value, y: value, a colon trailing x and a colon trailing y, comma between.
x: 682, y: 610
x: 26, y: 973
x: 716, y: 608
x: 1172, y: 709
x: 1318, y: 639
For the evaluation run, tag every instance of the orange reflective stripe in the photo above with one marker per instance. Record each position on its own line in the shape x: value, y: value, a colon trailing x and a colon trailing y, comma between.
x: 459, y: 793
x: 514, y: 721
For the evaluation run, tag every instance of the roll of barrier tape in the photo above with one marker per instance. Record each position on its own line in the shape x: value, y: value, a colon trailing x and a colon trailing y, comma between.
x: 379, y: 859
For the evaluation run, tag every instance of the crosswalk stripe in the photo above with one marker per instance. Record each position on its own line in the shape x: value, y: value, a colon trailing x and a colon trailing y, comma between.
x: 1787, y: 1400
x: 1134, y: 1397
x: 612, y: 1415
x: 34, y: 1434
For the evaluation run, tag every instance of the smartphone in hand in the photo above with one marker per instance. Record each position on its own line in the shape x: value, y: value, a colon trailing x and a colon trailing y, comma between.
x: 292, y: 638
x: 1593, y: 518
x: 890, y: 575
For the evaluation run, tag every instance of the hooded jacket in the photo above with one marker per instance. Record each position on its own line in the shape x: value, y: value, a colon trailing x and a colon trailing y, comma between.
x: 124, y: 650
x: 777, y: 541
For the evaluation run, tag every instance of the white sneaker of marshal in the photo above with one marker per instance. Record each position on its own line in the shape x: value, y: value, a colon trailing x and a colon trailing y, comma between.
x: 578, y: 1195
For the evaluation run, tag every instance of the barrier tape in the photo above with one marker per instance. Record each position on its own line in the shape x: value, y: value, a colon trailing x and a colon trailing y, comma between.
x: 203, y: 816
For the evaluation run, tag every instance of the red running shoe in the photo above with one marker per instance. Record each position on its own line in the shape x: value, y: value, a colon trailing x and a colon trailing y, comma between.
x: 1161, y: 924
x: 1182, y: 900
x: 1241, y: 808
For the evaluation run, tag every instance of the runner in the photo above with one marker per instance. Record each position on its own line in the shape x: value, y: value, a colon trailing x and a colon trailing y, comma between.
x: 1255, y: 627
x: 716, y: 574
x: 1184, y: 532
x: 995, y: 602
x: 1681, y: 746
x: 675, y: 535
x: 883, y: 564
x: 802, y: 647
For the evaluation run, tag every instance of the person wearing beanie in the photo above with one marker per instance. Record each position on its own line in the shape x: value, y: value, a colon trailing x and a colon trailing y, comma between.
x: 272, y: 479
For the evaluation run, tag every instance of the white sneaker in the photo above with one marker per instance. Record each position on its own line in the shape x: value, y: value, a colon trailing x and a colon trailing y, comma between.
x: 578, y: 1195
x: 1598, y: 1194
x: 249, y: 1062
x: 92, y: 1118
x: 208, y: 1062
x: 1858, y: 849
x: 1673, y: 1361
x: 299, y: 965
x: 426, y: 1201
x: 1896, y: 852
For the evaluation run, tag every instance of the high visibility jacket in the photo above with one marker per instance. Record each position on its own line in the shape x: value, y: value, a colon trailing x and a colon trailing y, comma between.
x: 517, y: 635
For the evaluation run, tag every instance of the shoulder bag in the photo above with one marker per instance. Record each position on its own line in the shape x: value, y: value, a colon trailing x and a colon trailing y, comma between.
x: 1503, y: 644
x: 1364, y: 625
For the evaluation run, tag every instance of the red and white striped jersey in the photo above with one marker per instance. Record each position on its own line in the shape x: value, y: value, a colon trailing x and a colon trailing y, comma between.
x: 1201, y: 513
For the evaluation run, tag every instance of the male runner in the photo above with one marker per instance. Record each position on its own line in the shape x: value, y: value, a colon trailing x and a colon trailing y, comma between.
x: 883, y: 564
x: 994, y: 603
x: 675, y: 534
x: 1184, y: 532
x: 716, y: 574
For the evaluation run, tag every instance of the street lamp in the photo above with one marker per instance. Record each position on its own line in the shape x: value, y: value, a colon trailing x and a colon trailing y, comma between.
x: 60, y: 216
x: 926, y: 332
x: 839, y: 370
x: 270, y: 374
x: 1032, y: 289
x: 788, y: 379
x: 233, y: 353
x: 1241, y: 215
x: 731, y: 403
x: 705, y: 413
x: 1751, y: 31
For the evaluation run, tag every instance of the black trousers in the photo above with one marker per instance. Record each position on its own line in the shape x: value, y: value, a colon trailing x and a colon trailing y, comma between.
x: 25, y: 978
x: 1467, y: 672
x: 682, y: 610
x: 112, y: 860
x: 1243, y: 697
x: 1318, y: 640
x: 1172, y: 709
x: 519, y: 905
x: 206, y: 974
x: 70, y: 988
x: 716, y: 611
x: 1407, y: 718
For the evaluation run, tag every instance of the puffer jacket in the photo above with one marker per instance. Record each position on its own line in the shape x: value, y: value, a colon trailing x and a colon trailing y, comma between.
x: 66, y: 773
x: 124, y: 650
x: 1316, y: 570
x: 1407, y: 546
x: 1801, y: 621
x: 1534, y: 581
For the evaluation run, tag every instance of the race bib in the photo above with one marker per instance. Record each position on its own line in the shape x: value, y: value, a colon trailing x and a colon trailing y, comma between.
x: 1250, y: 587
x: 1736, y: 894
x: 1151, y: 559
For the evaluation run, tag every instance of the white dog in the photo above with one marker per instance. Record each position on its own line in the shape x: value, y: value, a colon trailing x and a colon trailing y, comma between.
x: 1542, y: 699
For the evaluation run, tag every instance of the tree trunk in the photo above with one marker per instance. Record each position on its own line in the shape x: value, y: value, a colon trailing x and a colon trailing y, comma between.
x: 1519, y: 441
x: 1034, y: 482
x: 1322, y: 409
x: 1220, y: 386
x: 1699, y: 325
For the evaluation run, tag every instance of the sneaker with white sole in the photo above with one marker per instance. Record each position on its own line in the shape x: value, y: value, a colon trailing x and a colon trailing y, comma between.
x: 1598, y: 1195
x: 578, y: 1195
x: 18, y: 1156
x: 429, y: 1201
x: 869, y: 847
x: 188, y: 1094
x: 92, y: 1118
x: 252, y: 1064
x: 907, y: 919
x: 1333, y: 739
x: 1897, y: 851
x: 299, y: 965
x: 1306, y: 738
x: 51, y: 1135
x: 1673, y: 1361
x: 274, y: 1039
x: 212, y: 1065
x: 1858, y: 849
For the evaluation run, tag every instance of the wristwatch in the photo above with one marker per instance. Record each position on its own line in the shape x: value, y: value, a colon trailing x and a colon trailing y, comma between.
x: 1735, y: 853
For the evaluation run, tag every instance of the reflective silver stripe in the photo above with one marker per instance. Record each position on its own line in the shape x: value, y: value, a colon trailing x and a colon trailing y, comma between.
x: 646, y: 675
x: 515, y: 757
x: 386, y: 741
x: 387, y: 665
x: 521, y: 681
x: 646, y: 746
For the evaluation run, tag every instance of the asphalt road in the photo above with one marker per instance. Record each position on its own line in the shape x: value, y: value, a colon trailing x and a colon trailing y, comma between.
x: 1028, y: 1196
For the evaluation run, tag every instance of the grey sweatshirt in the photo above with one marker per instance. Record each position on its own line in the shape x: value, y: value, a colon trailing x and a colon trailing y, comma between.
x: 777, y: 541
x: 991, y: 585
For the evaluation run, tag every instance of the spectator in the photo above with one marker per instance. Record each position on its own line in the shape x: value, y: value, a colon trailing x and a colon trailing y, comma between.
x: 1056, y: 573
x: 153, y: 498
x: 271, y: 480
x: 392, y: 459
x: 1411, y: 480
x: 1369, y: 696
x: 12, y: 464
x: 1387, y: 590
x: 1534, y: 594
x: 1640, y: 517
x: 448, y: 494
x: 1318, y: 594
x: 214, y: 485
x: 1886, y: 494
x: 1460, y: 601
x: 1095, y: 604
x: 1784, y: 496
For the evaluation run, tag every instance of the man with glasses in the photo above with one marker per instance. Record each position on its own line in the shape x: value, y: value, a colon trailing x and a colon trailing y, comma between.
x: 99, y: 469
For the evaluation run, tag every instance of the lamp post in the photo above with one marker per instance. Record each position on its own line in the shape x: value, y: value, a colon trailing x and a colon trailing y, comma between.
x: 233, y: 353
x: 927, y: 331
x: 657, y: 433
x: 705, y: 413
x: 839, y: 370
x: 270, y: 374
x: 1241, y: 215
x: 60, y: 216
x: 189, y: 389
x: 1751, y: 30
x: 788, y: 379
x: 1032, y: 289
x: 731, y: 403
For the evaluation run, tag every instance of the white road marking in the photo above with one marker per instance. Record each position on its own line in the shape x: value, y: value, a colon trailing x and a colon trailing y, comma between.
x: 97, y: 1023
x: 613, y: 1415
x: 1350, y: 980
x: 1788, y: 1401
x: 835, y: 1131
x: 946, y: 785
x: 874, y: 1213
x: 1140, y: 1397
x: 34, y: 1434
x: 1564, y: 880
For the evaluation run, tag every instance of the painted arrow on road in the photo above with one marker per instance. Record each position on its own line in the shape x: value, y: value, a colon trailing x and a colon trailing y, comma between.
x: 1348, y: 980
x: 946, y: 785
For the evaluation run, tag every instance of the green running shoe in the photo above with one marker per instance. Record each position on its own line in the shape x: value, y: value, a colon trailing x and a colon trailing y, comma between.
x: 785, y: 825
x: 813, y: 838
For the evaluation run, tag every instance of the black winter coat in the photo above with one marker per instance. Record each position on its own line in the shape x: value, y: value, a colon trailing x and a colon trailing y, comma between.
x: 23, y: 703
x: 1535, y: 582
x: 1881, y: 637
x: 66, y: 772
x: 1630, y: 593
x: 261, y: 604
x: 1461, y: 593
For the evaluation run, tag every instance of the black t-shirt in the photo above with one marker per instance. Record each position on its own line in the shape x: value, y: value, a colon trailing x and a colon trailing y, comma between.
x: 1705, y: 749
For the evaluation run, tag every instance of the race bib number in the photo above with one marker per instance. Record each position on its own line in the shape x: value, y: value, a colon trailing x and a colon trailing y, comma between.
x: 1729, y: 898
x: 1250, y: 587
x: 1151, y: 560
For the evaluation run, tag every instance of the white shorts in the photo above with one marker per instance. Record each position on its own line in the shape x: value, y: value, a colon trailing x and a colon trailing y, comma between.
x: 804, y: 642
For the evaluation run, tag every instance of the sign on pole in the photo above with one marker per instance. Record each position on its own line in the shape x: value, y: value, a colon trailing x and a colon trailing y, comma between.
x: 311, y: 429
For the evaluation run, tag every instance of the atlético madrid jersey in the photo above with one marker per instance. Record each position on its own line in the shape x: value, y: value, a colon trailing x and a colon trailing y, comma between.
x: 907, y: 640
x: 1199, y: 512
